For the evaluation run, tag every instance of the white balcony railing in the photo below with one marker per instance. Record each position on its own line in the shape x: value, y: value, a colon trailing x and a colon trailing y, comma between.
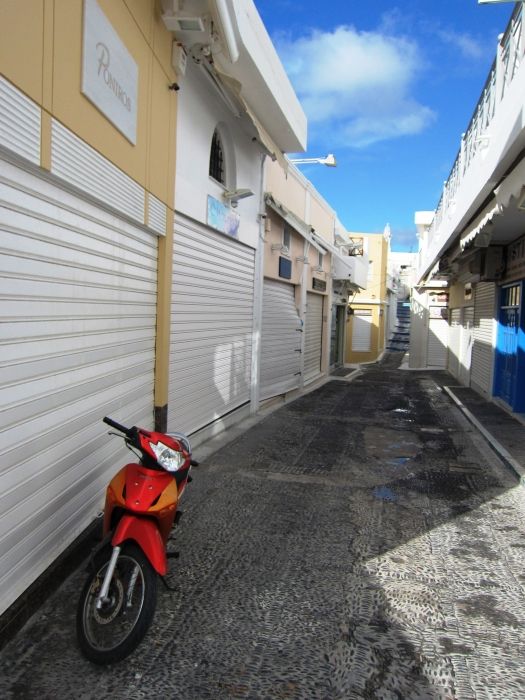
x: 477, y: 136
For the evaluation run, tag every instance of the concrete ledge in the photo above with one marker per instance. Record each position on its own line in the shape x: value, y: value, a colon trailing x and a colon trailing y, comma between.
x: 500, y: 450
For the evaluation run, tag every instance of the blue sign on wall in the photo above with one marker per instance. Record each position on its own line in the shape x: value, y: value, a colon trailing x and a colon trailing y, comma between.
x: 222, y: 218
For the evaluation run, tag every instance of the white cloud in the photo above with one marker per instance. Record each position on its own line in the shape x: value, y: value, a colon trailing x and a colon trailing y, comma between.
x: 358, y: 84
x: 468, y: 46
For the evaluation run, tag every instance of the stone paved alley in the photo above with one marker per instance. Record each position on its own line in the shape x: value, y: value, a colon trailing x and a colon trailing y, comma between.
x: 360, y: 542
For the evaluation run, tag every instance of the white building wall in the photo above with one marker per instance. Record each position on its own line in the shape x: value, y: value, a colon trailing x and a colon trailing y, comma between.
x: 201, y: 109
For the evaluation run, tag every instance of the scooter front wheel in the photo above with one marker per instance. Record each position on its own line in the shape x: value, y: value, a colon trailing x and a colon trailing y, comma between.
x: 110, y: 632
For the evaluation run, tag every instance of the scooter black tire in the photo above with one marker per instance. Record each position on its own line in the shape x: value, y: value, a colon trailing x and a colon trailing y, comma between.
x: 92, y: 623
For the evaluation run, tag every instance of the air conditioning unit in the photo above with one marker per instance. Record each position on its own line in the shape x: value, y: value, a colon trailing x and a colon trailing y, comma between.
x: 493, y: 264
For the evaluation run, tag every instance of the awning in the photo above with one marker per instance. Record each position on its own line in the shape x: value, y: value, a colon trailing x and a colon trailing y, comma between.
x: 294, y: 221
x: 479, y: 232
x: 342, y: 269
x: 511, y: 186
x: 264, y: 138
x: 343, y: 266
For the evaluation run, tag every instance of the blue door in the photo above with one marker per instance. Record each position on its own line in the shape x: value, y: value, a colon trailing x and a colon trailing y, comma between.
x: 509, y: 376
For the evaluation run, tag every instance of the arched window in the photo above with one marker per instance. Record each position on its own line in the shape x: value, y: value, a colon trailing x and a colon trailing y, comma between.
x: 217, y: 170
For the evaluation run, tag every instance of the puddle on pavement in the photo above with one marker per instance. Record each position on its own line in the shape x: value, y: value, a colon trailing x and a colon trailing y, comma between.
x: 399, y: 461
x: 387, y: 444
x: 383, y: 493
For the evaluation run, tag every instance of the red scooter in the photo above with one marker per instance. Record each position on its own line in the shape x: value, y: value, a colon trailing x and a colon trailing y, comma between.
x: 118, y: 600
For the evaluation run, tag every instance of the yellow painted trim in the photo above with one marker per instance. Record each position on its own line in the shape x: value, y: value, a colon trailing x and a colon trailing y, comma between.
x: 162, y: 347
x: 45, y: 141
x: 146, y: 207
x: 47, y: 54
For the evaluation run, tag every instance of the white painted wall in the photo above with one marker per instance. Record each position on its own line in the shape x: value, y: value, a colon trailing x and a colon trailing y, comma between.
x: 201, y: 109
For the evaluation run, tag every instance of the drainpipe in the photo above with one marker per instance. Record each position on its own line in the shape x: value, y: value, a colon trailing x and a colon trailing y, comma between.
x: 257, y: 297
x: 302, y: 308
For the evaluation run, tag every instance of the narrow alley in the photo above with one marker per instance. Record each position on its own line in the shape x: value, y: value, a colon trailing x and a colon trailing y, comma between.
x: 362, y: 541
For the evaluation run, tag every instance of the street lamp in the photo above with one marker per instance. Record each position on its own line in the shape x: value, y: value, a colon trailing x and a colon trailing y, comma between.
x: 329, y: 160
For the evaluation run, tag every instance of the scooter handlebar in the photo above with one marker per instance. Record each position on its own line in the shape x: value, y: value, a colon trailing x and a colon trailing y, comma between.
x: 121, y: 428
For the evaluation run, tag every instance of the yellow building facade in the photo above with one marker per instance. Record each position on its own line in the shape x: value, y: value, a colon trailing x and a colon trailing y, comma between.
x: 367, y: 311
x: 87, y: 167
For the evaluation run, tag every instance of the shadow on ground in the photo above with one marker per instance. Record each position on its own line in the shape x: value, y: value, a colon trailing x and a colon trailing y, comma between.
x: 360, y: 542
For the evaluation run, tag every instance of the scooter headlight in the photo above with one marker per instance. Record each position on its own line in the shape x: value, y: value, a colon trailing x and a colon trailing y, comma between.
x: 169, y: 459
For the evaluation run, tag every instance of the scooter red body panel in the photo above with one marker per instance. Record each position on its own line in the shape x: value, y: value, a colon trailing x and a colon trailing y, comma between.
x: 146, y: 534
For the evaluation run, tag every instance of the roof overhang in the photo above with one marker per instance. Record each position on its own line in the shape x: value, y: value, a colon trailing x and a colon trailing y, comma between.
x: 479, y: 232
x: 345, y: 267
x: 230, y: 36
x: 294, y: 221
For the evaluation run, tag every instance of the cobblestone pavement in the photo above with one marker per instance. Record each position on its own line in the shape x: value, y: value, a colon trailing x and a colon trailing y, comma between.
x: 360, y: 542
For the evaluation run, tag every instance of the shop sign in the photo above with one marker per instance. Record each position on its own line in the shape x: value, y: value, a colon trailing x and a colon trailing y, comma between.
x: 285, y: 268
x: 222, y: 218
x: 109, y: 73
x: 516, y: 259
x: 319, y: 285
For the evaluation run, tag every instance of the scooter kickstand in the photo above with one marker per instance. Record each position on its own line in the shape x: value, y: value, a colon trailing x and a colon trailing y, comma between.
x: 172, y: 589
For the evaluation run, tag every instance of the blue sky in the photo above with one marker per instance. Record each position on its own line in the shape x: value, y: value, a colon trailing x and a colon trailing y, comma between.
x: 388, y: 87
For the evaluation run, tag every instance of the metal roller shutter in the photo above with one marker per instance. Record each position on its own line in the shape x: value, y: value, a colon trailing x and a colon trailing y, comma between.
x: 465, y: 358
x: 280, y: 340
x: 211, y: 326
x: 483, y: 338
x: 437, y: 343
x: 313, y: 339
x: 362, y: 330
x: 454, y: 342
x: 78, y: 304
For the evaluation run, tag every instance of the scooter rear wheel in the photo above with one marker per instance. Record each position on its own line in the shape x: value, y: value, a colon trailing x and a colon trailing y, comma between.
x: 113, y: 631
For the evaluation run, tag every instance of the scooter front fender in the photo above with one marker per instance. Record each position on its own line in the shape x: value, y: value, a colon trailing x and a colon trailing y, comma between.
x: 146, y: 534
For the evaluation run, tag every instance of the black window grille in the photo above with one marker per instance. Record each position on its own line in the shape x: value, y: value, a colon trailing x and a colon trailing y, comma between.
x: 217, y: 159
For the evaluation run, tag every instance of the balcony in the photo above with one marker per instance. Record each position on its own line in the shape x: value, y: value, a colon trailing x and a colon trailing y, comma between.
x: 489, y: 152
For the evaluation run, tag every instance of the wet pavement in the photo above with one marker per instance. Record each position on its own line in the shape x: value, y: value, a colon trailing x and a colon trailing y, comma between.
x: 360, y: 542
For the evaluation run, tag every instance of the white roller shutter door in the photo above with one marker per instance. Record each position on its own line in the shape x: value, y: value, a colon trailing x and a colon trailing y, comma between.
x: 483, y: 338
x: 77, y: 342
x: 280, y: 340
x: 313, y: 339
x: 362, y: 330
x: 465, y: 357
x: 437, y: 343
x: 454, y: 342
x: 211, y: 326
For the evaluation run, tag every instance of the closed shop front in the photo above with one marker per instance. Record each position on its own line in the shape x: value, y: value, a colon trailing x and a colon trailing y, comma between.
x: 509, y: 371
x: 313, y: 336
x: 482, y: 338
x: 454, y: 342
x: 86, y: 200
x: 362, y: 330
x: 437, y: 342
x: 465, y: 347
x: 211, y: 326
x: 280, y: 340
x: 78, y: 296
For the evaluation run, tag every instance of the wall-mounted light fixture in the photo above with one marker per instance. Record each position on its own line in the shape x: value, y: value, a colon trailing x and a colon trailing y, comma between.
x: 234, y: 196
x: 328, y: 160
